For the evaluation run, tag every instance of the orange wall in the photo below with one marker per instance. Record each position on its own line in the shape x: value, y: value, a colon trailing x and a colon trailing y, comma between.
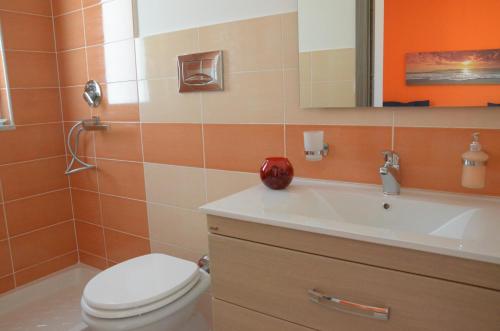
x: 444, y: 25
x: 109, y: 203
x: 37, y: 235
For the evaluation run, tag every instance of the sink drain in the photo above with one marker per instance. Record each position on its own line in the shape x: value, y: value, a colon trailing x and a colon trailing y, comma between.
x: 387, y: 206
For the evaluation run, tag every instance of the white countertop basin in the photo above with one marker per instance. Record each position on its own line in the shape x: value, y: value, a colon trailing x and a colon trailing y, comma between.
x: 451, y: 224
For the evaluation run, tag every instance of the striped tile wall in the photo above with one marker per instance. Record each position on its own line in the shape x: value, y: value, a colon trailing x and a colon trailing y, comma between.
x: 37, y: 233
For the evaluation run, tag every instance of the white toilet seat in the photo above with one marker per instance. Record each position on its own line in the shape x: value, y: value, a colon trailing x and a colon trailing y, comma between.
x: 139, y: 286
x: 123, y: 313
x: 176, y: 310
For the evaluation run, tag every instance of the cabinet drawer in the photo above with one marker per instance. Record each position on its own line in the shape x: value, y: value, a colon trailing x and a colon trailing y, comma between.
x: 277, y: 282
x: 228, y: 317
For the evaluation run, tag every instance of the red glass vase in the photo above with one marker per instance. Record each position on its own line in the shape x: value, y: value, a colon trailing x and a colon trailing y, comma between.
x: 276, y: 172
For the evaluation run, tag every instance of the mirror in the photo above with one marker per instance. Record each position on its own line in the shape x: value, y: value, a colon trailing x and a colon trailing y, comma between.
x: 334, y: 72
x: 403, y: 53
x: 6, y: 114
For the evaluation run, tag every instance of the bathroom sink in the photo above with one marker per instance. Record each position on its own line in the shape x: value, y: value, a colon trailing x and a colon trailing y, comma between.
x: 451, y: 224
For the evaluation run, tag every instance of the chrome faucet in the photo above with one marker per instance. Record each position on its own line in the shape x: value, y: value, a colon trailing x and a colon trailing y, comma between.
x: 390, y: 174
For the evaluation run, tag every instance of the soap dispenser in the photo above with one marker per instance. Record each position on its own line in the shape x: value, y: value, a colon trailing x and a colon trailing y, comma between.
x: 474, y: 165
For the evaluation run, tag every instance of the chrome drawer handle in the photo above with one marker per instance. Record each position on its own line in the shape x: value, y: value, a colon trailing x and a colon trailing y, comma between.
x: 349, y: 306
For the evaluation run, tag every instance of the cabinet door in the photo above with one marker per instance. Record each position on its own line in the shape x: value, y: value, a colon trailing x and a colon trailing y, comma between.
x: 277, y: 282
x: 228, y: 317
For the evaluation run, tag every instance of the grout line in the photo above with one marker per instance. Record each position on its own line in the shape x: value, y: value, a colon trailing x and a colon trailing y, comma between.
x: 38, y: 124
x: 23, y: 13
x: 45, y: 261
x: 7, y: 232
x: 41, y: 229
x: 61, y: 51
x: 68, y: 180
x: 94, y: 142
x: 105, y: 227
x: 36, y: 195
x: 13, y: 50
x: 203, y: 124
x: 283, y: 84
x: 34, y: 87
x: 194, y: 209
x: 83, y: 8
x: 141, y: 135
x: 393, y: 131
x: 92, y: 254
x: 32, y: 160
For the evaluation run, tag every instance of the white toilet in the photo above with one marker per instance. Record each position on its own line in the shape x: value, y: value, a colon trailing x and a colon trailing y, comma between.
x: 154, y: 292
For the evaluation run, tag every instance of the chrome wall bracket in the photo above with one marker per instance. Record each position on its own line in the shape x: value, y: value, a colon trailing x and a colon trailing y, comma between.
x: 94, y: 124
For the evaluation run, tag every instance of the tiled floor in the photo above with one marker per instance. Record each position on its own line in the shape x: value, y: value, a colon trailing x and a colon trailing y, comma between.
x: 52, y: 304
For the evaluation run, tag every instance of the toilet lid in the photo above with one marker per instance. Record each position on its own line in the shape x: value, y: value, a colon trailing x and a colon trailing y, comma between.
x: 139, y: 281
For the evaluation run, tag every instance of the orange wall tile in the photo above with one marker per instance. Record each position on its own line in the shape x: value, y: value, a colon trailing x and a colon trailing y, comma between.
x: 121, y: 142
x: 36, y: 105
x: 46, y: 268
x: 355, y: 154
x: 29, y: 70
x: 90, y: 238
x: 72, y: 68
x: 113, y: 62
x: 431, y: 158
x: 73, y: 107
x: 125, y: 215
x: 86, y: 180
x: 86, y: 206
x: 5, y: 263
x: 177, y: 144
x: 121, y: 178
x: 121, y: 246
x: 39, y: 7
x: 242, y: 147
x: 119, y: 103
x: 3, y: 229
x: 92, y: 260
x: 38, y: 204
x: 6, y: 283
x: 98, y: 18
x: 69, y: 31
x: 43, y: 245
x: 60, y: 7
x: 38, y: 212
x: 34, y: 177
x: 32, y: 142
x: 27, y: 32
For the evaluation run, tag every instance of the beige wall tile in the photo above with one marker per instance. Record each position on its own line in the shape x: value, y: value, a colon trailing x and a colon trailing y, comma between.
x: 333, y: 94
x: 178, y: 226
x: 290, y: 27
x: 484, y: 118
x: 248, y: 45
x: 157, y: 55
x: 255, y: 97
x: 221, y: 183
x: 177, y: 251
x: 175, y: 185
x: 334, y: 116
x: 333, y: 65
x: 160, y: 101
x: 305, y: 67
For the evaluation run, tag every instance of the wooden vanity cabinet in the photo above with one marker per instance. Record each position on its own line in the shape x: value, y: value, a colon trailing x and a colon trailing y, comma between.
x: 268, y: 278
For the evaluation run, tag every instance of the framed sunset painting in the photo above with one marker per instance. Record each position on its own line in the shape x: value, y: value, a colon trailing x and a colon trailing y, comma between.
x: 477, y: 67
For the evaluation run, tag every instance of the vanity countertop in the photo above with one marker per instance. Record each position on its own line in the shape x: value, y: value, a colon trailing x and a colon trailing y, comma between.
x: 465, y: 226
